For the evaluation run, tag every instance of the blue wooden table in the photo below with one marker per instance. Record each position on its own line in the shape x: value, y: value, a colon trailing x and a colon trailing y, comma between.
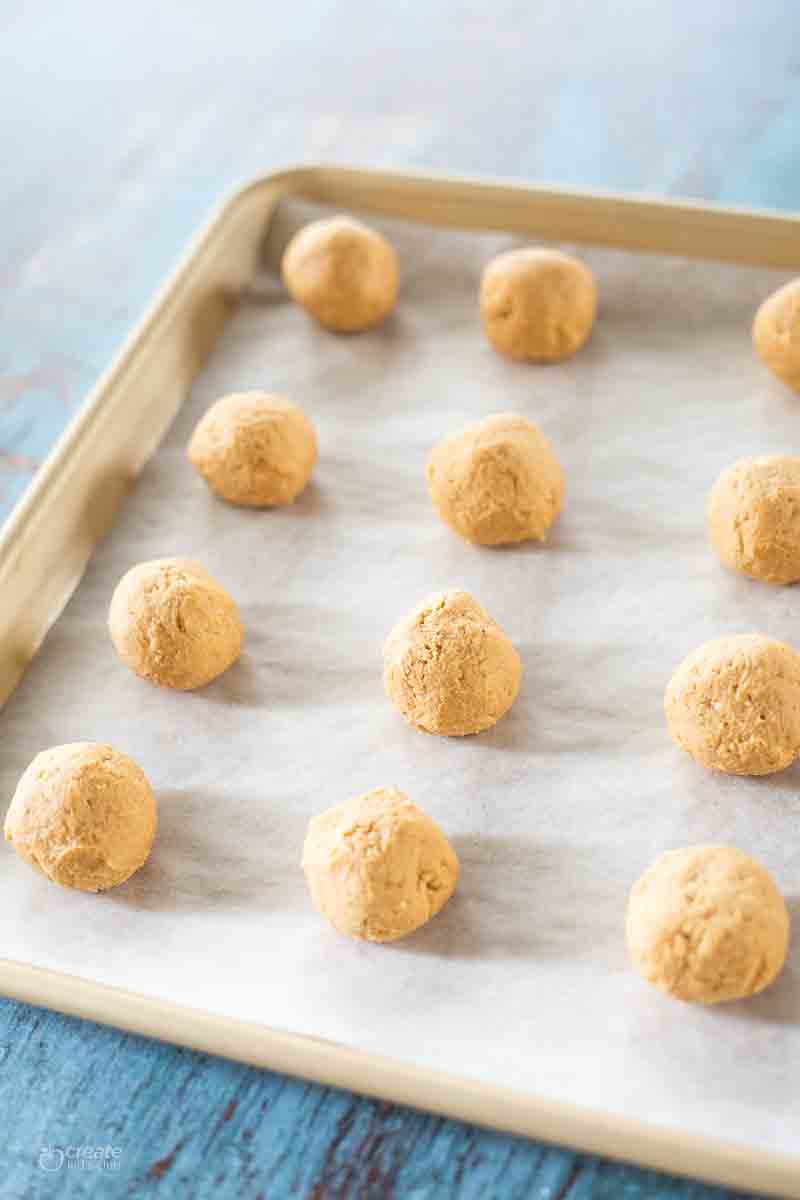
x: 120, y: 126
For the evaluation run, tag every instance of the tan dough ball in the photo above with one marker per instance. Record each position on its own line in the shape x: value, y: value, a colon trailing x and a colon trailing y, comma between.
x: 537, y: 305
x: 449, y: 668
x: 84, y: 815
x: 754, y: 518
x: 734, y: 705
x: 496, y: 481
x: 254, y: 449
x: 776, y: 333
x: 341, y: 272
x: 173, y: 624
x: 707, y: 924
x: 377, y: 867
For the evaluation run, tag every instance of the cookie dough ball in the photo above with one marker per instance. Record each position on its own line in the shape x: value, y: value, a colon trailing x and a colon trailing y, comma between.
x: 537, y: 305
x: 734, y: 705
x: 707, y: 924
x: 377, y: 867
x: 173, y: 624
x: 754, y: 518
x: 449, y: 669
x: 343, y: 273
x: 776, y: 333
x: 496, y: 481
x: 84, y: 815
x: 254, y: 449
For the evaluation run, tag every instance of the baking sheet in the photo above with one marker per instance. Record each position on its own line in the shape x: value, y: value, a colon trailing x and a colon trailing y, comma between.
x: 522, y: 980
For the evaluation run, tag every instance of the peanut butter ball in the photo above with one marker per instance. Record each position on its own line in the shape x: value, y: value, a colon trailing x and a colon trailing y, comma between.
x: 734, y: 705
x: 174, y: 625
x: 754, y: 518
x: 343, y: 274
x: 707, y: 924
x: 537, y: 305
x: 776, y: 333
x: 254, y: 449
x: 496, y: 481
x: 448, y: 667
x: 377, y: 867
x: 84, y: 815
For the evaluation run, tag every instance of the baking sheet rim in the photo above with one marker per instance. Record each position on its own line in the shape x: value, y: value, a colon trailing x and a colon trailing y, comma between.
x: 687, y: 228
x: 335, y: 1065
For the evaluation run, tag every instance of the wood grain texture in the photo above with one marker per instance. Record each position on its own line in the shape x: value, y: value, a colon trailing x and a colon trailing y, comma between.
x: 120, y: 126
x: 186, y: 1124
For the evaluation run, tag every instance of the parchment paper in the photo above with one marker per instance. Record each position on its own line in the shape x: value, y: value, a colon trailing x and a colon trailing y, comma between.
x: 523, y: 979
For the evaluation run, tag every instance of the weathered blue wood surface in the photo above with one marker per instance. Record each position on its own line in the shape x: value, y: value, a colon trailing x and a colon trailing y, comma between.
x: 120, y: 125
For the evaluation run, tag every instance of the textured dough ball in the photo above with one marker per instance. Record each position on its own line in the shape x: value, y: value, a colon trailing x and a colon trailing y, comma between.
x: 776, y: 333
x: 734, y: 705
x: 449, y: 668
x: 537, y: 305
x: 754, y: 518
x: 341, y: 272
x: 173, y: 624
x: 254, y: 449
x: 496, y: 481
x: 377, y: 867
x: 707, y: 924
x: 84, y: 815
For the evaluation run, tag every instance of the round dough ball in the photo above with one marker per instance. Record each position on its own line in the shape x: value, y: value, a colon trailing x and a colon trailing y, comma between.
x: 496, y: 481
x: 707, y: 924
x: 343, y: 273
x: 537, y: 305
x: 377, y: 867
x: 173, y: 624
x: 254, y: 449
x: 84, y: 815
x: 754, y: 518
x: 734, y: 705
x: 776, y: 333
x: 449, y: 669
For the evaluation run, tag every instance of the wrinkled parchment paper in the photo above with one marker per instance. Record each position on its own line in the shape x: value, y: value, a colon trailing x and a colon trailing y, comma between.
x: 522, y: 980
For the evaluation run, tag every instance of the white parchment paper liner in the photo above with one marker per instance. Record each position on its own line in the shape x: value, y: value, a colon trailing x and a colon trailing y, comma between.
x: 523, y: 979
